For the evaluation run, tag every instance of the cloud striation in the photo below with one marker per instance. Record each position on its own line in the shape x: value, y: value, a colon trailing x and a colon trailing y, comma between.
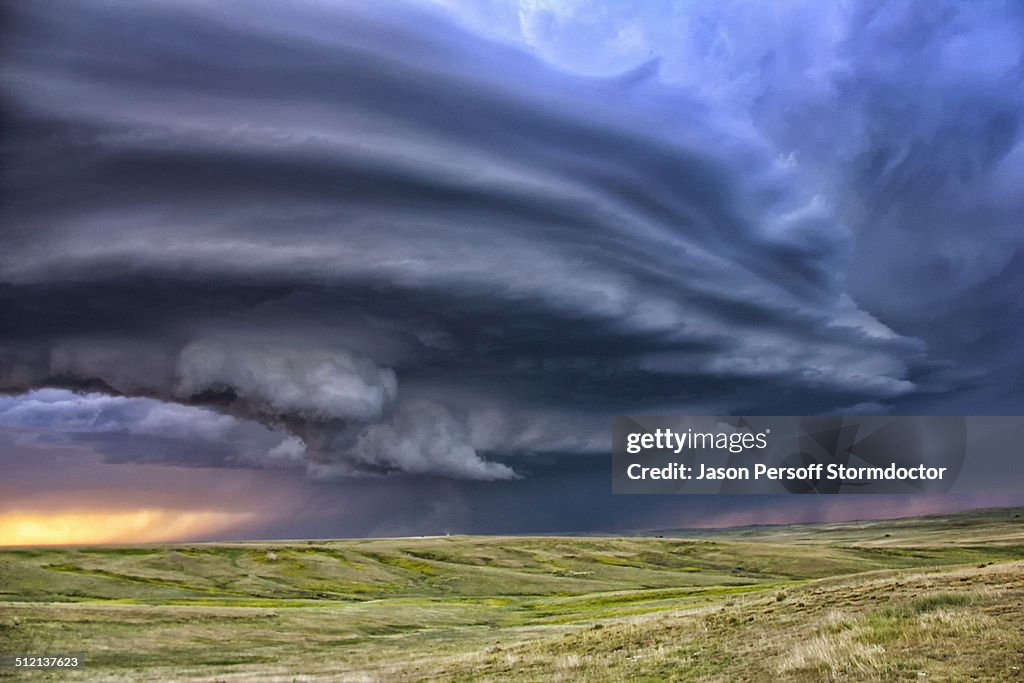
x: 414, y: 249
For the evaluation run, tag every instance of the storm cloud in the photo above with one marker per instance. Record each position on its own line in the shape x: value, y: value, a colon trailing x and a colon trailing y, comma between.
x: 416, y: 249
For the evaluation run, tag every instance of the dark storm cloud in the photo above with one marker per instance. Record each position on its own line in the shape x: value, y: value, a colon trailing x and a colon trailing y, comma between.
x: 906, y: 116
x: 407, y: 246
x: 909, y: 117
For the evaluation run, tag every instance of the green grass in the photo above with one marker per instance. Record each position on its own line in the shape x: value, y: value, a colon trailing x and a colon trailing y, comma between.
x: 938, y: 596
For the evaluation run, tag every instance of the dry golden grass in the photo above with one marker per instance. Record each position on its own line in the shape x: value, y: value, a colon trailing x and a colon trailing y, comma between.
x: 962, y: 623
x: 805, y: 604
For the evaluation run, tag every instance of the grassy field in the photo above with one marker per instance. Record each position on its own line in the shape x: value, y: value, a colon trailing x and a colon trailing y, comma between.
x: 931, y: 598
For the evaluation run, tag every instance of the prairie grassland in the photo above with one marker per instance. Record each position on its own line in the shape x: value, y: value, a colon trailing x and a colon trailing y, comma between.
x: 937, y: 598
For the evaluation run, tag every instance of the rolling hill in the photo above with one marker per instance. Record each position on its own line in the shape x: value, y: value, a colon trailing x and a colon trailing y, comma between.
x: 937, y: 597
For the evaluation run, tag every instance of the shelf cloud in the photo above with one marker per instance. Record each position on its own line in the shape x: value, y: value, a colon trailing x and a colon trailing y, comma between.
x: 402, y: 246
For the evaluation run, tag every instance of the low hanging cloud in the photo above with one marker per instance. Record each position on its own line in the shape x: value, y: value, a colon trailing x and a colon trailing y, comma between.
x: 374, y: 231
x: 123, y: 429
x: 54, y: 409
x: 906, y: 118
x: 276, y: 383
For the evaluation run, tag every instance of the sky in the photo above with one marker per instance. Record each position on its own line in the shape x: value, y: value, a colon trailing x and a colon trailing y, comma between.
x: 345, y: 268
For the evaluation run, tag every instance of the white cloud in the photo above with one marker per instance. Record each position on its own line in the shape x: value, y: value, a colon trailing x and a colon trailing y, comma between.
x: 63, y: 411
x: 278, y: 382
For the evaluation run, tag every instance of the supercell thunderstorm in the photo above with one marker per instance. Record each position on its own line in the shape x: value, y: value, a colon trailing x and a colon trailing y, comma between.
x: 365, y: 239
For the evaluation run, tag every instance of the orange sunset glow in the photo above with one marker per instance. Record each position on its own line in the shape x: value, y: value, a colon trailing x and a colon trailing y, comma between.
x: 147, y: 525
